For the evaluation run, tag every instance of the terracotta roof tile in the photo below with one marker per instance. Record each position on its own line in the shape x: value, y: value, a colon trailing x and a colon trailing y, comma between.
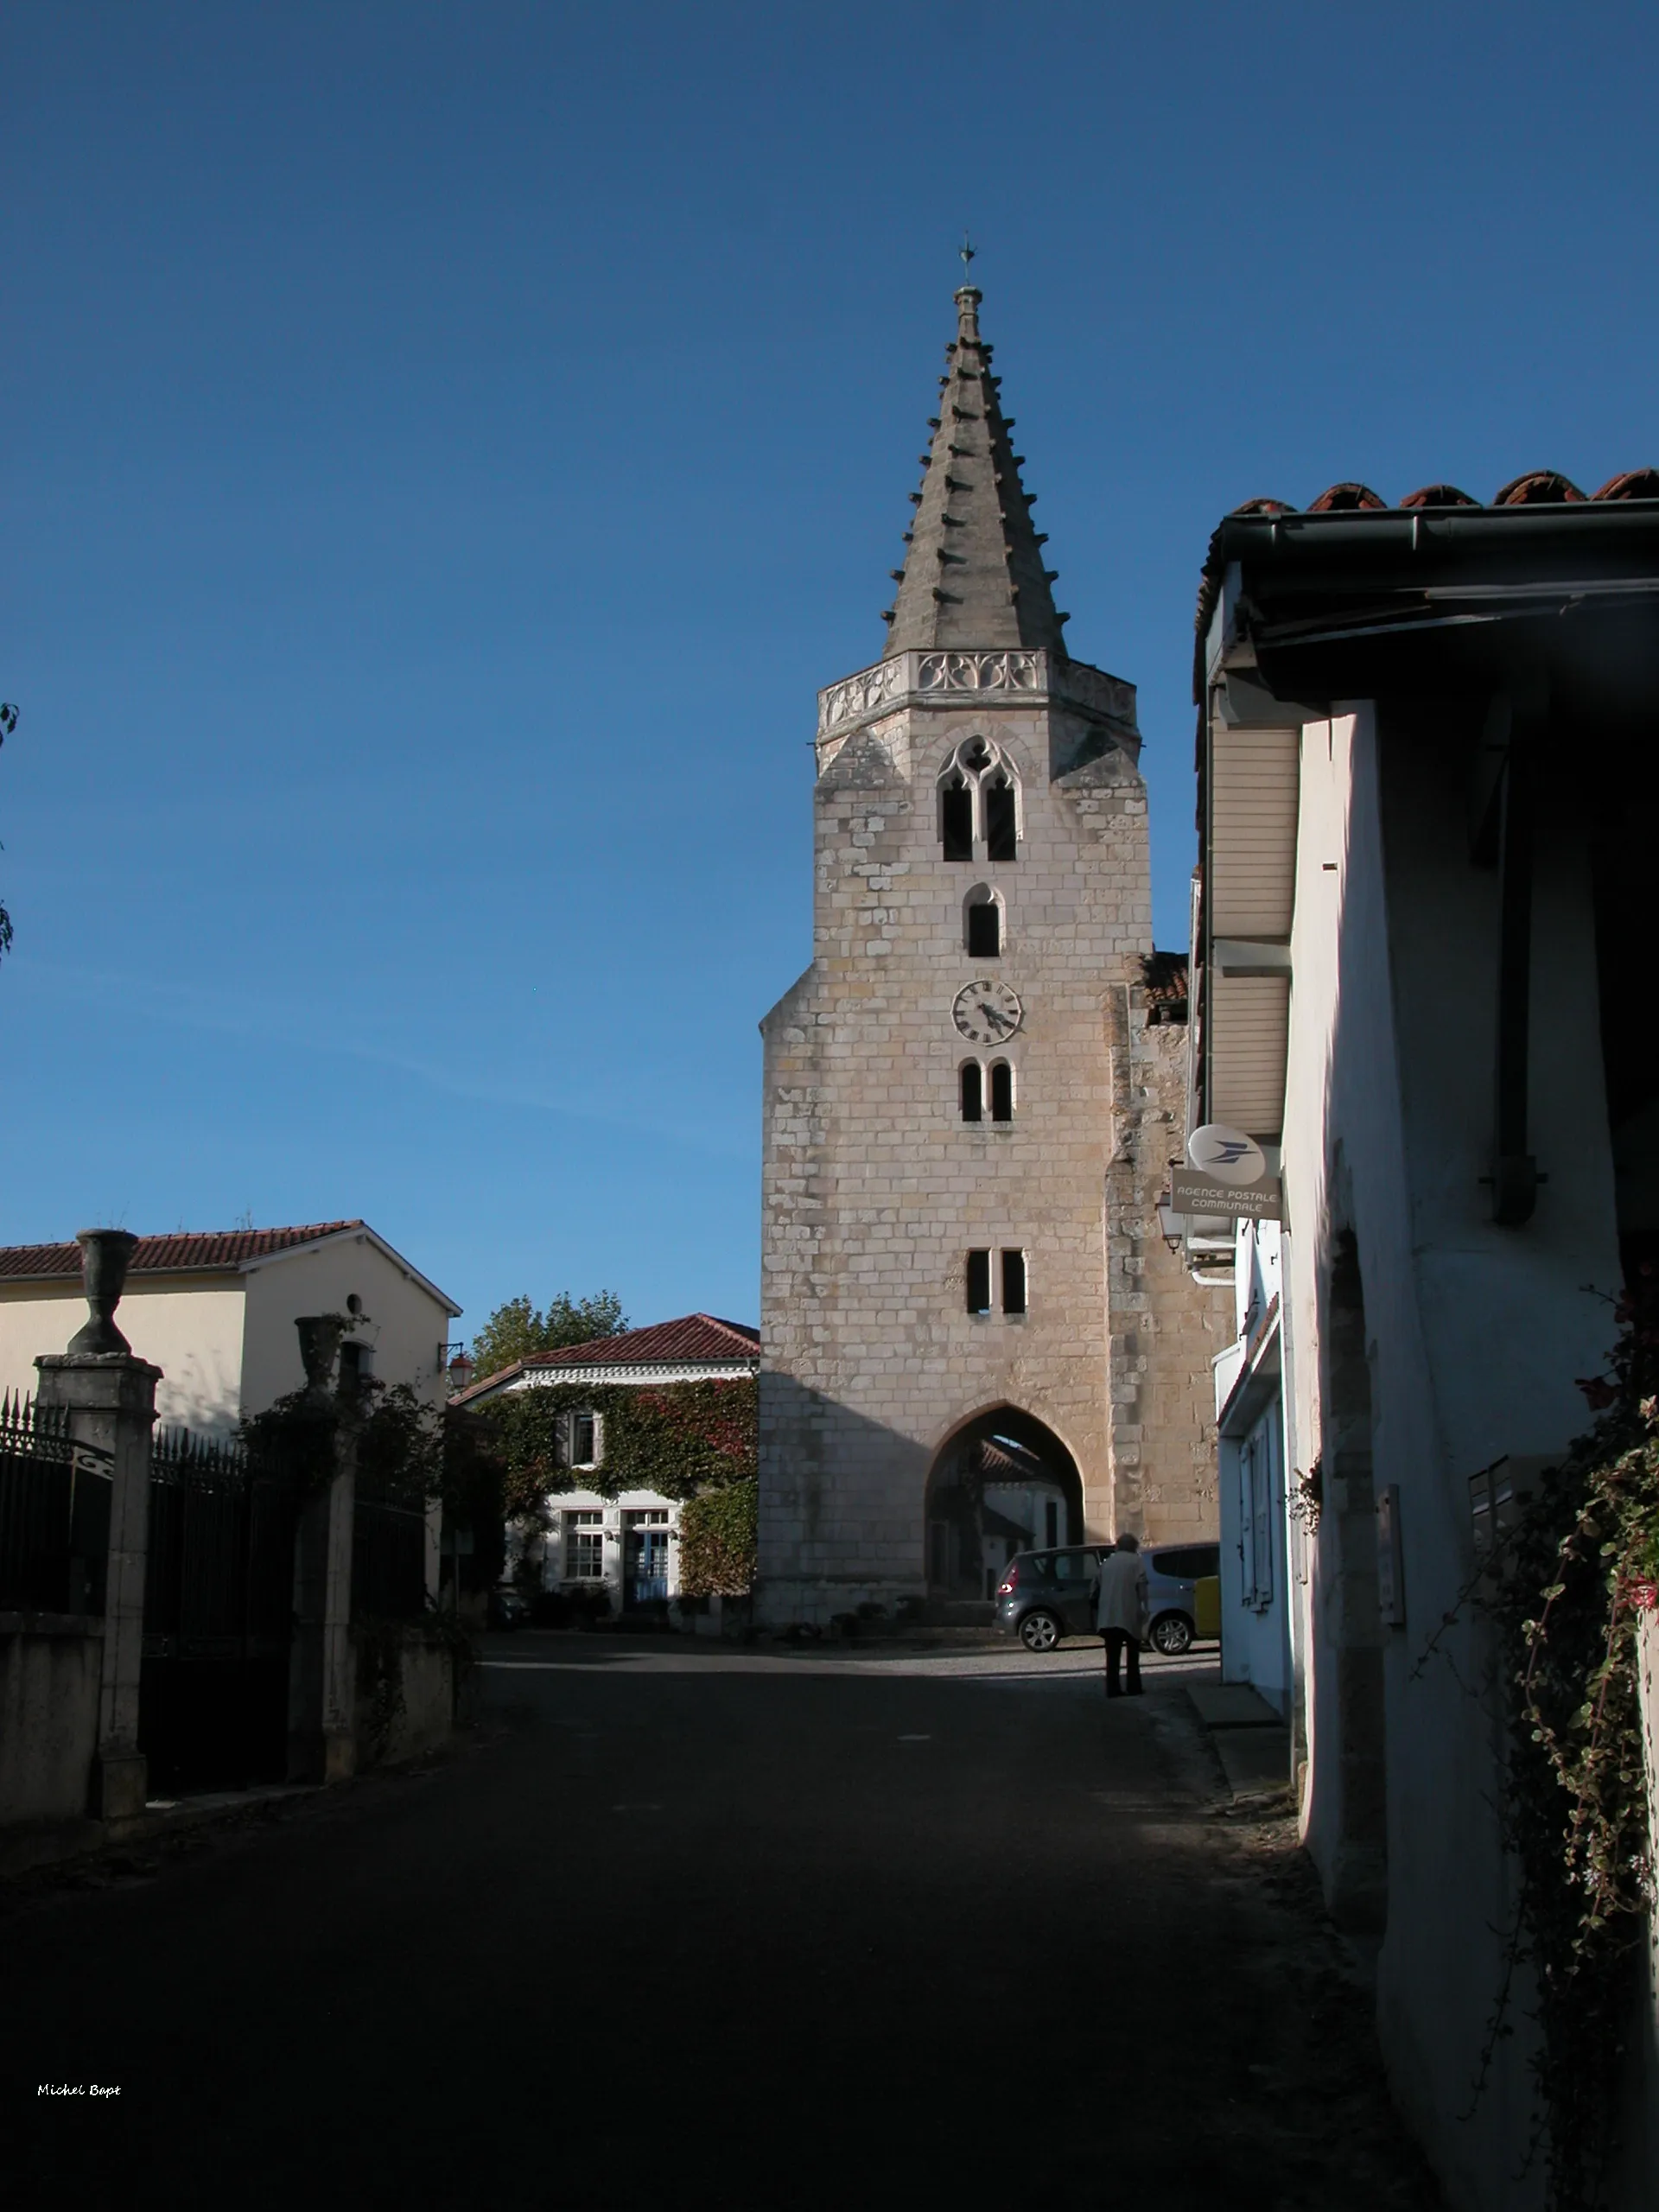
x: 696, y: 1335
x: 208, y: 1248
x: 1439, y: 495
x: 1347, y: 499
x: 1539, y: 487
x: 1630, y: 484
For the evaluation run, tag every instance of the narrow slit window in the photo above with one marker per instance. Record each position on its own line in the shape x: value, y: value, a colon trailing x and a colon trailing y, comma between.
x: 1001, y: 1091
x: 1013, y: 1282
x: 973, y: 1085
x: 1002, y: 833
x: 979, y: 1282
x: 957, y: 820
x: 984, y: 930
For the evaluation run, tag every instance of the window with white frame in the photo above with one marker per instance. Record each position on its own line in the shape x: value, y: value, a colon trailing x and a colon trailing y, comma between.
x: 580, y: 1439
x: 584, y: 1546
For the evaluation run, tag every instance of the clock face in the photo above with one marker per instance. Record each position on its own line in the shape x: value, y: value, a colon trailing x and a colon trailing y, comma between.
x: 986, y: 1014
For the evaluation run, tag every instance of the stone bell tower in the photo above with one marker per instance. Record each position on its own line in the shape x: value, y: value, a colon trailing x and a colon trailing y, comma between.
x: 965, y: 1112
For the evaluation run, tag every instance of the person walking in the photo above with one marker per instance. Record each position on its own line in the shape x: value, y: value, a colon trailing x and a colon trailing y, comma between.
x: 1121, y: 1611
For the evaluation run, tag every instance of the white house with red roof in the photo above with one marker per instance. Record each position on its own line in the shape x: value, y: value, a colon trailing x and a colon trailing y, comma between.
x: 215, y: 1311
x: 627, y: 1544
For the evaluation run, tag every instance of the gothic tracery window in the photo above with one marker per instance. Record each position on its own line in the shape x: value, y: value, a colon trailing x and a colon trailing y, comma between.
x: 979, y: 804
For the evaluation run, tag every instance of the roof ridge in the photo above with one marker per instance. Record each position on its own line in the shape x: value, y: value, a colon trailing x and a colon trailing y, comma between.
x: 179, y: 1247
x: 973, y: 576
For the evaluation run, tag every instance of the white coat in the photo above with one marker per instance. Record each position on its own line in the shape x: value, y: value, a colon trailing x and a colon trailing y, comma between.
x: 1121, y: 1600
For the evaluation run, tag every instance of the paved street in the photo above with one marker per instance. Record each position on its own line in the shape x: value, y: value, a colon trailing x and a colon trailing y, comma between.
x: 690, y: 1927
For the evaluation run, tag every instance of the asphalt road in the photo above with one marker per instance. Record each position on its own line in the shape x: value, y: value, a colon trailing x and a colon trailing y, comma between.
x: 681, y: 1926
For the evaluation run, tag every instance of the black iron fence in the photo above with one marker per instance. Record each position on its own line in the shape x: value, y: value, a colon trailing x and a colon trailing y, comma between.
x: 54, y: 1514
x: 388, y: 1560
x: 219, y: 1613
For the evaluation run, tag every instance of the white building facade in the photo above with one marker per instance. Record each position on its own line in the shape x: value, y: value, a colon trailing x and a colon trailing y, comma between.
x: 1424, y: 984
x: 620, y: 1549
x: 215, y: 1311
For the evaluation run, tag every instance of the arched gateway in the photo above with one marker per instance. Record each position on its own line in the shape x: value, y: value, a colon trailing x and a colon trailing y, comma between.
x: 1003, y: 1484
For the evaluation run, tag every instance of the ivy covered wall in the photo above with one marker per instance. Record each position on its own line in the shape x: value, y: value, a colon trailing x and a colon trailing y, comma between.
x: 677, y: 1438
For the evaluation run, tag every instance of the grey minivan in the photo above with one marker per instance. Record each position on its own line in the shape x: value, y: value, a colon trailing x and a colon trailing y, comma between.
x: 1045, y: 1595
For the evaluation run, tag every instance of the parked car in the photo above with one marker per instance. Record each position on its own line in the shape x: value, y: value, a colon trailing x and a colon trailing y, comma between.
x: 1184, y: 1588
x: 1045, y: 1595
x: 507, y: 1609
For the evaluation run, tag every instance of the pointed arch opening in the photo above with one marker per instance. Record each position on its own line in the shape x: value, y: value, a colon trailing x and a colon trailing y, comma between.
x: 982, y: 923
x: 956, y: 818
x: 1001, y: 817
x: 1003, y: 1483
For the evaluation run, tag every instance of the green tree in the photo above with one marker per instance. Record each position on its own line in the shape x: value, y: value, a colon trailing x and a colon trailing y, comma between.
x: 516, y: 1330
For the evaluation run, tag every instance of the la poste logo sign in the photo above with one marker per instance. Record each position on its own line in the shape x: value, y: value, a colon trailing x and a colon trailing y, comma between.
x: 1228, y: 1175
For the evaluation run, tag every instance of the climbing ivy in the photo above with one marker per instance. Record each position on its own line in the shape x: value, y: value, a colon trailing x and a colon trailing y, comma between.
x: 719, y: 1534
x: 1576, y: 1580
x: 677, y: 1438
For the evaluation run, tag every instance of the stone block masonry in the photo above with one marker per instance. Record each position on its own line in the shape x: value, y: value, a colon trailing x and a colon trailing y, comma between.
x: 876, y: 1188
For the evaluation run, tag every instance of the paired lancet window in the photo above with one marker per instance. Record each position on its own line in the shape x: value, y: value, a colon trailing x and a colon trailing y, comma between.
x: 978, y: 1093
x: 979, y: 804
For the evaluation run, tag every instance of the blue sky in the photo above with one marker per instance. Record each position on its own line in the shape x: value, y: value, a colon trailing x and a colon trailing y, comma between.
x: 446, y: 449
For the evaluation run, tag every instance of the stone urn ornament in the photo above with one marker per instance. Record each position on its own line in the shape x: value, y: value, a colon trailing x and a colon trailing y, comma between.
x: 105, y: 1255
x: 320, y: 1338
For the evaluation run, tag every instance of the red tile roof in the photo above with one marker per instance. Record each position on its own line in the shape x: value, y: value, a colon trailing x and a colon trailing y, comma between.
x: 696, y: 1335
x: 206, y: 1248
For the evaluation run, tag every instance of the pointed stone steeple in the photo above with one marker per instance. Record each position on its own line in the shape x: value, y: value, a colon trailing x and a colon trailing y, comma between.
x: 973, y: 577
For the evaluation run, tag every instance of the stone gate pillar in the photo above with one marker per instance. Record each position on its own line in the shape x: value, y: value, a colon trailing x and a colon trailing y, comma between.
x: 322, y: 1686
x: 109, y: 1399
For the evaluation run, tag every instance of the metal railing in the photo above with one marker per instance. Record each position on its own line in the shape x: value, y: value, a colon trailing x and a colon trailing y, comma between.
x: 54, y: 1513
x: 388, y: 1560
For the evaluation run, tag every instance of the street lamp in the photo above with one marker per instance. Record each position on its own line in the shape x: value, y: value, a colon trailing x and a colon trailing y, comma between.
x: 461, y: 1371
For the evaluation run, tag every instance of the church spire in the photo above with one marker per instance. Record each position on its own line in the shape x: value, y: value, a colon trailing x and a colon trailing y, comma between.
x: 973, y: 576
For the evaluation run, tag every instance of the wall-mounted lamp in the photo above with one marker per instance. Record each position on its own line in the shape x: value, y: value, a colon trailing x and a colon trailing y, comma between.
x: 463, y: 1368
x: 1172, y: 1224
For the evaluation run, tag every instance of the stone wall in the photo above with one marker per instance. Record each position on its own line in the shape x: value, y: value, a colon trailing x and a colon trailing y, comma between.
x: 1166, y: 1328
x: 50, y: 1668
x: 417, y: 1715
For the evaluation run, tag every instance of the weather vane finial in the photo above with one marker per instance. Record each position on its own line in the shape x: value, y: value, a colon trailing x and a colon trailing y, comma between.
x: 965, y: 254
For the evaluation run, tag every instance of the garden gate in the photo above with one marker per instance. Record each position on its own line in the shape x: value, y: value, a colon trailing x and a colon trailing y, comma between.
x: 219, y: 1616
